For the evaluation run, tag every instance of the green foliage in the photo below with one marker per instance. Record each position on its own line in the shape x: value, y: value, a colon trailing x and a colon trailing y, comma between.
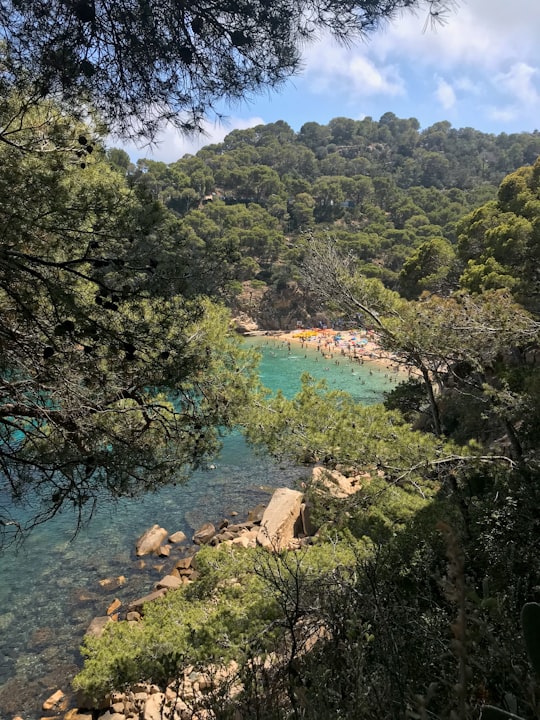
x: 116, y: 372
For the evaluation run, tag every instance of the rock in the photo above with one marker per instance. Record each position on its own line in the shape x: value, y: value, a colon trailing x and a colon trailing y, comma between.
x: 177, y: 537
x: 184, y: 563
x: 279, y: 519
x: 82, y: 700
x: 307, y: 523
x: 97, y: 626
x: 110, y: 715
x: 113, y: 607
x: 133, y: 616
x: 113, y: 582
x: 150, y: 540
x: 336, y: 484
x: 204, y: 534
x: 222, y: 537
x: 243, y: 323
x: 153, y: 706
x: 139, y: 603
x: 241, y: 542
x: 76, y: 714
x: 169, y: 582
x: 256, y: 515
x: 57, y: 701
x: 164, y: 551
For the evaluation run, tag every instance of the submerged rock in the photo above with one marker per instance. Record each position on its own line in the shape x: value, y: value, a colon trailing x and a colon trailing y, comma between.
x: 151, y: 540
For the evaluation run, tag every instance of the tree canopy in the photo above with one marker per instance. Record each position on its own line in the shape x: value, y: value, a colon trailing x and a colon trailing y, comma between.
x: 115, y: 371
x: 140, y: 63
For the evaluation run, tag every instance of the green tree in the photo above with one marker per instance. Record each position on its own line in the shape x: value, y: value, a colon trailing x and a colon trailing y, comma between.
x: 428, y: 268
x: 115, y: 374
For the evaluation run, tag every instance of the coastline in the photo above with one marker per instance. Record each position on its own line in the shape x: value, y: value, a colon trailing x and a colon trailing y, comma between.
x: 355, y: 346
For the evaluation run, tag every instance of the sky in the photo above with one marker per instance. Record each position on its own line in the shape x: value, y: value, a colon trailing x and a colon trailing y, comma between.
x: 481, y: 69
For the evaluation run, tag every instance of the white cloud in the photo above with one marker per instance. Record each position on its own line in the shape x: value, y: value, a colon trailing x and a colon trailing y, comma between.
x: 171, y: 145
x: 519, y: 82
x: 336, y: 69
x: 486, y: 33
x: 503, y: 114
x: 445, y: 94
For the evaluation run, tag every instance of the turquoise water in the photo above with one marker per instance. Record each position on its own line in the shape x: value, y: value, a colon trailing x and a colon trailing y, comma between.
x: 50, y: 588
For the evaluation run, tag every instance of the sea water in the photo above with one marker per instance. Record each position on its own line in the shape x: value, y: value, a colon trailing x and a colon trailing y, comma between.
x: 50, y: 587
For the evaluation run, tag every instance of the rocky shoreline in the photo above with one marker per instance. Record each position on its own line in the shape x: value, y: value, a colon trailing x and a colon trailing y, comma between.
x: 284, y: 523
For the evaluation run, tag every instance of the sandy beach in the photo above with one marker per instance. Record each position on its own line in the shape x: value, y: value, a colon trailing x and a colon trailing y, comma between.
x: 357, y: 346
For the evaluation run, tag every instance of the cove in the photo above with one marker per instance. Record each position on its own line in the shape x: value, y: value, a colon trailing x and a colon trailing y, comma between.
x: 51, y: 587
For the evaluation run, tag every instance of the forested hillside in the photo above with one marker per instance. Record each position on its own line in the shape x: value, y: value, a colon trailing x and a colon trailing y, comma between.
x: 385, y: 190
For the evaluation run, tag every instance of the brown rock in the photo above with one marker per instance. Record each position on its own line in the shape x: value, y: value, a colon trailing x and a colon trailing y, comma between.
x: 221, y: 537
x: 204, y: 534
x: 279, y: 519
x: 164, y: 551
x: 77, y: 714
x: 307, y: 524
x: 336, y: 484
x: 113, y: 582
x: 153, y: 706
x: 113, y: 607
x: 256, y: 515
x: 184, y: 563
x: 57, y: 701
x: 133, y: 616
x: 169, y: 582
x: 97, y: 626
x: 150, y: 540
x: 139, y: 603
x: 177, y: 537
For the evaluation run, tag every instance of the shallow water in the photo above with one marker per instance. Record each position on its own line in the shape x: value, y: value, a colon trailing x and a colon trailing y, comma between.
x: 50, y: 588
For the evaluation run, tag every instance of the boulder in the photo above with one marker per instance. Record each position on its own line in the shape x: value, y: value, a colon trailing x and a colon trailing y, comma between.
x: 177, y: 537
x: 153, y: 707
x: 169, y: 582
x: 279, y: 519
x: 257, y: 514
x: 97, y: 626
x: 76, y: 714
x: 57, y: 701
x: 307, y: 523
x: 113, y: 607
x: 204, y: 534
x: 151, y: 540
x: 184, y: 563
x: 138, y: 604
x: 337, y: 484
x: 164, y: 551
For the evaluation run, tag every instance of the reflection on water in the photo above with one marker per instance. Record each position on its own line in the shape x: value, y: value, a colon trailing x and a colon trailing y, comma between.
x: 52, y: 587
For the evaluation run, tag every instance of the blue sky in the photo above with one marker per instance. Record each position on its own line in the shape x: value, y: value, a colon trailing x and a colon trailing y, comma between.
x: 481, y: 69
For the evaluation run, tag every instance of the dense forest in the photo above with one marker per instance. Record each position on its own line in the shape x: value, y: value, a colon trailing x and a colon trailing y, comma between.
x: 386, y: 191
x: 415, y: 586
